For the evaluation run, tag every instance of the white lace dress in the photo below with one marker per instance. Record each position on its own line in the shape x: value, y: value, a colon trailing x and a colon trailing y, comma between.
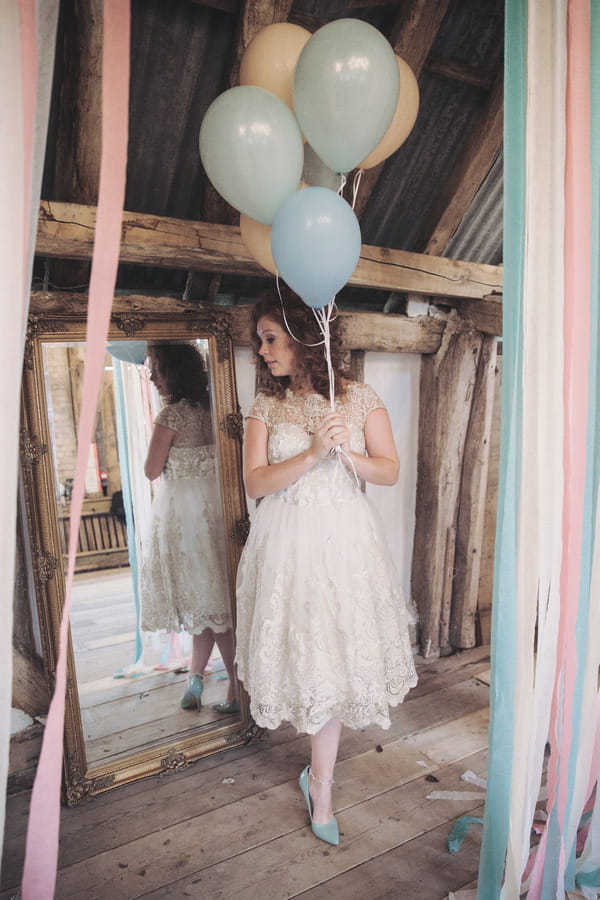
x: 183, y: 573
x: 322, y: 628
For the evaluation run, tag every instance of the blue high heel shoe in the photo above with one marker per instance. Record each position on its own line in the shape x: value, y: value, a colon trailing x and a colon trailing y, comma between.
x: 329, y: 832
x: 193, y: 692
x: 227, y: 708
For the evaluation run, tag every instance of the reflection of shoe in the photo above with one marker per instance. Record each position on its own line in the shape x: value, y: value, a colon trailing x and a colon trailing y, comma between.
x: 193, y: 692
x: 329, y: 832
x: 233, y: 707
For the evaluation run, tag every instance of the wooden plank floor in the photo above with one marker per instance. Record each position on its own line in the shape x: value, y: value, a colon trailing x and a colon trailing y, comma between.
x: 234, y: 825
x: 121, y: 714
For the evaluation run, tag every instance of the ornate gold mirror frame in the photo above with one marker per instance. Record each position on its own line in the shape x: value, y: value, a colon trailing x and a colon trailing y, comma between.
x: 47, y: 323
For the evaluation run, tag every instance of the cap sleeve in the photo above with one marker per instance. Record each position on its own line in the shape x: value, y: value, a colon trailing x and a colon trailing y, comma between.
x: 370, y: 400
x: 170, y: 417
x: 260, y: 409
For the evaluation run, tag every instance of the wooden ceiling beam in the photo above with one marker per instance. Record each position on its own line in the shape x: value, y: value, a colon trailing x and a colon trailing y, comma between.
x: 455, y: 71
x: 361, y: 330
x: 475, y: 161
x: 66, y: 231
x: 76, y: 164
x: 412, y: 36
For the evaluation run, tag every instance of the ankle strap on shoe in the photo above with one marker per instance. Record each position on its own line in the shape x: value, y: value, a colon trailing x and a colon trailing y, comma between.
x: 319, y: 780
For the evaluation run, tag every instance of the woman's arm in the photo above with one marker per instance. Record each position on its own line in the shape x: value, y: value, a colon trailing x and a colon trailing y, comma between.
x: 158, y: 451
x: 382, y: 465
x: 260, y: 477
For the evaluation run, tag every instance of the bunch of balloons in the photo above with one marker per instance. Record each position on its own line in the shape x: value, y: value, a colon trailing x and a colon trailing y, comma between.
x: 346, y: 94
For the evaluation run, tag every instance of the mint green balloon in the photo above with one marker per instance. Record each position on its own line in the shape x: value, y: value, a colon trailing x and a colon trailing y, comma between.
x: 346, y: 88
x: 252, y: 150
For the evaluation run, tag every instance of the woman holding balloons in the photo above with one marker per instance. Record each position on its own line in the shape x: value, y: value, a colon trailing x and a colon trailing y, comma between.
x: 322, y: 631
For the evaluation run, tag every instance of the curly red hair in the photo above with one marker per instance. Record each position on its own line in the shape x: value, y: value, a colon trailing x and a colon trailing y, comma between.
x: 299, y: 320
x: 184, y: 369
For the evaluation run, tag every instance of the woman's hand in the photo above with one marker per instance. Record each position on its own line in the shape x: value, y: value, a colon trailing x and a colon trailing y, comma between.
x: 331, y: 433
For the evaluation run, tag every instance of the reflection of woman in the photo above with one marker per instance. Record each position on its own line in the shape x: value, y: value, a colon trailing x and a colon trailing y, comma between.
x: 322, y: 636
x: 183, y: 575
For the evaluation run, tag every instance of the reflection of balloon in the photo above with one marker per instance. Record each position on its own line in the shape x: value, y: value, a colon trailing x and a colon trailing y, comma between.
x: 404, y: 117
x: 252, y: 150
x: 271, y: 56
x: 257, y: 238
x: 345, y: 91
x: 128, y: 351
x: 316, y: 244
x: 316, y: 173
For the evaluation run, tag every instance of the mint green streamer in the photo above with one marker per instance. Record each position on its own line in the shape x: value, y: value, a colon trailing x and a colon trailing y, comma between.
x: 504, y: 612
x: 459, y: 832
x: 127, y: 502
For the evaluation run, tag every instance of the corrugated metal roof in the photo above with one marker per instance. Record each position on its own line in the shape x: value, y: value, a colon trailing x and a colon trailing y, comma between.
x: 181, y: 59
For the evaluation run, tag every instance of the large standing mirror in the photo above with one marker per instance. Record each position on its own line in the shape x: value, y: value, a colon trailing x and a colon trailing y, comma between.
x: 124, y: 718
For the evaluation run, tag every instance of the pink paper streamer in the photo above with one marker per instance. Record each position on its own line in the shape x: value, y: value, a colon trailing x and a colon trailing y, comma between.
x: 39, y: 874
x: 575, y: 398
x: 29, y: 71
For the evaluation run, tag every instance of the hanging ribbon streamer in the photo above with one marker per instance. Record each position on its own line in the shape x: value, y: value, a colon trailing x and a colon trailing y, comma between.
x: 39, y: 873
x: 546, y: 616
x: 124, y: 466
x: 27, y: 45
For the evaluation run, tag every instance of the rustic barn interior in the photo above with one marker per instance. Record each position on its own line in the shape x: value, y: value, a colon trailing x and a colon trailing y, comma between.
x: 427, y: 290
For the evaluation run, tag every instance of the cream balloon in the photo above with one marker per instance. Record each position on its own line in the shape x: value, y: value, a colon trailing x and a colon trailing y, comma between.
x: 403, y: 120
x: 270, y: 58
x: 257, y: 238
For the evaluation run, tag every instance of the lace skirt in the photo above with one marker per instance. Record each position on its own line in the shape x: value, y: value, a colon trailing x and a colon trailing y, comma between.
x: 322, y: 628
x: 183, y: 574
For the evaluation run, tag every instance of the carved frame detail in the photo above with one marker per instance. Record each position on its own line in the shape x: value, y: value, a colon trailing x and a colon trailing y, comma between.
x: 82, y: 780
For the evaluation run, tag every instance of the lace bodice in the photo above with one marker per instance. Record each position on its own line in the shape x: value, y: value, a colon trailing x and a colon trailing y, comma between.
x: 193, y: 452
x: 291, y: 422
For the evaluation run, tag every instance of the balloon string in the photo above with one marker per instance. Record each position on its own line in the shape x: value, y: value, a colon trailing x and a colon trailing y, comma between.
x: 324, y: 317
x: 343, y: 181
x: 357, y: 179
x: 287, y: 325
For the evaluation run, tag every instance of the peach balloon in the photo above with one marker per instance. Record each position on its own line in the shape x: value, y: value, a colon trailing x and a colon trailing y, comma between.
x: 403, y: 121
x: 257, y: 238
x: 270, y: 58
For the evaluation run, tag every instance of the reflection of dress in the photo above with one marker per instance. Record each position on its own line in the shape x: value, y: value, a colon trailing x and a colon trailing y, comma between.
x: 183, y: 575
x: 322, y: 627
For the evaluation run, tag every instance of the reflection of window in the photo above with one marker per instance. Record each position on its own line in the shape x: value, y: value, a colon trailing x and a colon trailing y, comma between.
x: 63, y: 368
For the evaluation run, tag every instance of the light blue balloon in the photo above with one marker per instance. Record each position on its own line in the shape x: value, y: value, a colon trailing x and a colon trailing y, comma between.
x: 346, y: 88
x: 128, y: 351
x: 252, y: 150
x: 315, y: 241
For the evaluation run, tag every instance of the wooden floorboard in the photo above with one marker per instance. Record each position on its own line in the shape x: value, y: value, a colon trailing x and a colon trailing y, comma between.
x: 235, y: 825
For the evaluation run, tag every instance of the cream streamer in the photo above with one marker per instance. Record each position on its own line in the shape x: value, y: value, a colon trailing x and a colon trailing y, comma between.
x: 540, y: 533
x: 27, y: 41
x: 12, y: 263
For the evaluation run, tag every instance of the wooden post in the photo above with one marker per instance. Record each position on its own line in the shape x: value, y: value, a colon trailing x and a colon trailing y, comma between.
x: 448, y: 380
x: 472, y: 503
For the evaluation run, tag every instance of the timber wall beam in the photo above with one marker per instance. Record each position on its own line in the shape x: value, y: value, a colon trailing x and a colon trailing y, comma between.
x: 66, y: 230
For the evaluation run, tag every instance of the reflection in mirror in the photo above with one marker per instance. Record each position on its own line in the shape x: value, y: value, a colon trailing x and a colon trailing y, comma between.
x: 151, y: 613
